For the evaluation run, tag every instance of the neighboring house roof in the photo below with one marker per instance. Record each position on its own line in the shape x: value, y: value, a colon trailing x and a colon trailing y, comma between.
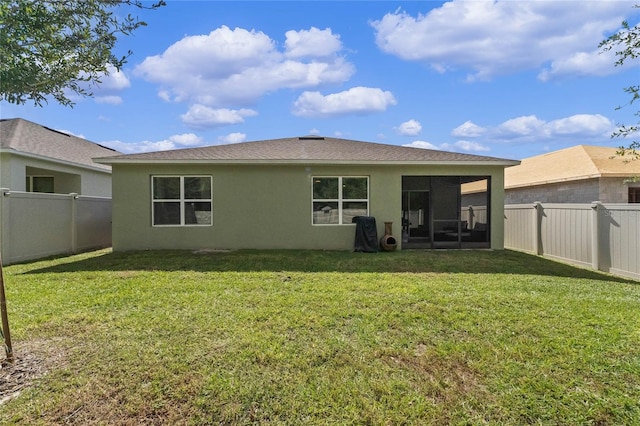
x: 570, y: 164
x: 307, y: 150
x: 34, y: 140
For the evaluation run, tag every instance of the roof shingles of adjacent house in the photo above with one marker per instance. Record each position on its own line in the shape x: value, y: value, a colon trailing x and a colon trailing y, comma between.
x: 307, y: 150
x: 575, y: 163
x: 32, y: 139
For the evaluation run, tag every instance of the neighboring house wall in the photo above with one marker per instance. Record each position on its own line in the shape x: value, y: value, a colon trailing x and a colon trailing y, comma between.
x: 584, y: 191
x: 67, y: 177
x: 615, y: 190
x: 475, y: 199
x: 270, y: 206
x: 605, y: 190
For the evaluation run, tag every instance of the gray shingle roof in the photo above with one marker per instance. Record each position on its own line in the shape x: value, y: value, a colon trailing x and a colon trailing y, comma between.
x: 31, y: 138
x: 306, y: 150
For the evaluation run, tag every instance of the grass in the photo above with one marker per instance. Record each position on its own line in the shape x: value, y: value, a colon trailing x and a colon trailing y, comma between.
x: 310, y: 337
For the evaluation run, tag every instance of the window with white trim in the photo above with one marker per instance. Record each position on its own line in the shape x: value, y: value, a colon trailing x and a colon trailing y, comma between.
x: 337, y: 200
x: 181, y: 201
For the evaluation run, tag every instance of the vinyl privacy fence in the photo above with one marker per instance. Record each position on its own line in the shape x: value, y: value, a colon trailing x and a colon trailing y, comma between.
x: 604, y: 237
x: 35, y: 225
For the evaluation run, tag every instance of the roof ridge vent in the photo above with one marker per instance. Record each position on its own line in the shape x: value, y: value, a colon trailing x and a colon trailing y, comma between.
x: 311, y: 138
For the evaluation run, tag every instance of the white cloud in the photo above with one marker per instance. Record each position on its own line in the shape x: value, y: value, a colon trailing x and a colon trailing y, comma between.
x: 409, y: 128
x: 468, y: 130
x: 581, y: 124
x: 500, y: 37
x: 232, y: 138
x: 313, y: 43
x: 469, y: 146
x: 585, y: 127
x: 421, y: 144
x: 200, y: 116
x: 594, y: 63
x: 111, y: 83
x: 111, y: 100
x: 357, y: 100
x: 460, y: 146
x: 237, y: 67
x: 115, y: 80
x: 186, y: 140
x: 314, y: 131
x: 522, y: 126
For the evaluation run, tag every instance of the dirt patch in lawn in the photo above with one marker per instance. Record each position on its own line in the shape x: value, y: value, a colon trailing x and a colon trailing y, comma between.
x: 33, y: 359
x: 443, y: 379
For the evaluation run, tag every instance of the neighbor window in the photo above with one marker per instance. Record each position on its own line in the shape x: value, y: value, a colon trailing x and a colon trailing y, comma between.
x: 39, y: 184
x: 181, y: 200
x: 337, y: 200
x: 634, y: 195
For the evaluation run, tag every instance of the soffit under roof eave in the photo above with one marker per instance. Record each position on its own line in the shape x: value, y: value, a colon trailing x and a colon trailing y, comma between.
x: 502, y: 163
x: 55, y: 160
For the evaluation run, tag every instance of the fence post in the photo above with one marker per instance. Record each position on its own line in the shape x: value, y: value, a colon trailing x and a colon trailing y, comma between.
x: 4, y: 222
x: 537, y: 220
x: 74, y: 222
x: 471, y: 218
x: 595, y: 234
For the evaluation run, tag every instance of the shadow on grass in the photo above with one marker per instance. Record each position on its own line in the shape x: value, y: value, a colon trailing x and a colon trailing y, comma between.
x: 415, y: 261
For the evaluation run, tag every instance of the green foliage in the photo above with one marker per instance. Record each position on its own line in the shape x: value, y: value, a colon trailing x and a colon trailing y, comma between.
x: 627, y: 40
x: 319, y: 337
x: 52, y: 47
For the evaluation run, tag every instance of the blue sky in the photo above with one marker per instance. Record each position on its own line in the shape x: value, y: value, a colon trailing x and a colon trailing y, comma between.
x: 509, y: 79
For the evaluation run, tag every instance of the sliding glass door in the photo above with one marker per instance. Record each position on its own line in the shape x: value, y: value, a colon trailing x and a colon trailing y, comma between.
x: 445, y: 211
x: 445, y: 193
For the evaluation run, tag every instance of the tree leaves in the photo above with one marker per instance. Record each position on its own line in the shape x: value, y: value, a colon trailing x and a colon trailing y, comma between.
x: 628, y: 41
x: 53, y: 47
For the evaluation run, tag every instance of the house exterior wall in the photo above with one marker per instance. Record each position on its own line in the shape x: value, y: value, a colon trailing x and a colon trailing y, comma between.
x: 270, y: 206
x: 67, y: 178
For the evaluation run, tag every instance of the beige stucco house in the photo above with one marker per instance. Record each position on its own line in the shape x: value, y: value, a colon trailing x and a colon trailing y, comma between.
x: 300, y: 193
x: 35, y: 158
x: 579, y: 174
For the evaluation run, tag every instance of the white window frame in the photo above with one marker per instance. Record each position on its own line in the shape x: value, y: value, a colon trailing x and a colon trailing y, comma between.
x: 340, y: 200
x: 181, y: 200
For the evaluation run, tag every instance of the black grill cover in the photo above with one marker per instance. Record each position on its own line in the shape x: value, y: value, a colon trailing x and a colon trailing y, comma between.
x: 366, y: 234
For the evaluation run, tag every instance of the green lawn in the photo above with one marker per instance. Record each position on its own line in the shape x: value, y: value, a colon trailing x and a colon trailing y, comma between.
x: 311, y: 337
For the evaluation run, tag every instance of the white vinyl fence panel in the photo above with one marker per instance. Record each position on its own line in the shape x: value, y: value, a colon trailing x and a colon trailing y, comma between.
x: 565, y: 232
x: 518, y: 227
x: 35, y: 225
x: 605, y: 237
x: 93, y: 223
x: 619, y: 236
